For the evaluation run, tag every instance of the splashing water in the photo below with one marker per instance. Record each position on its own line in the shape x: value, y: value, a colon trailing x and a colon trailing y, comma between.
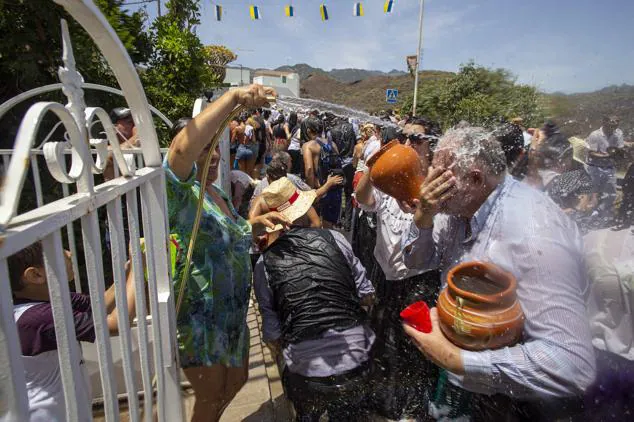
x: 306, y: 105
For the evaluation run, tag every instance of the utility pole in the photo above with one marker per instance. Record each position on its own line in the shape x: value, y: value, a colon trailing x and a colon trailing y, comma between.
x: 158, y: 2
x: 420, y: 46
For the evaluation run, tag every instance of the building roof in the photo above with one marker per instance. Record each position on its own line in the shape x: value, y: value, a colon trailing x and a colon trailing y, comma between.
x: 272, y: 73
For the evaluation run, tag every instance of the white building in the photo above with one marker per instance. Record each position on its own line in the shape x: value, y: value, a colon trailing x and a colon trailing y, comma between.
x: 237, y: 76
x: 285, y: 83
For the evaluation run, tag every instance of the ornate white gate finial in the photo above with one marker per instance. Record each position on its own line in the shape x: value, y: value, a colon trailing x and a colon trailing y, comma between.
x: 72, y: 81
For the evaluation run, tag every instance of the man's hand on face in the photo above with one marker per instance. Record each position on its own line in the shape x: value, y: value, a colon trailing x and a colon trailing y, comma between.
x: 436, y: 347
x: 436, y: 189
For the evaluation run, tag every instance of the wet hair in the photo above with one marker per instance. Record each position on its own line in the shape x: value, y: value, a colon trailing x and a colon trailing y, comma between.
x: 314, y: 125
x: 242, y: 117
x: 555, y: 151
x: 283, y: 156
x: 473, y: 145
x: 179, y: 125
x: 277, y: 169
x: 390, y: 132
x: 279, y: 132
x: 432, y: 127
x: 606, y: 120
x: 303, y: 134
x: 31, y: 256
x: 511, y: 138
x: 550, y: 128
x: 266, y: 114
x: 344, y: 137
x: 292, y: 120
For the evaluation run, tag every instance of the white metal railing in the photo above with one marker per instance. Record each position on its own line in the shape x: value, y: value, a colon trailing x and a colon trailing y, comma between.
x: 134, y: 159
x: 81, y: 200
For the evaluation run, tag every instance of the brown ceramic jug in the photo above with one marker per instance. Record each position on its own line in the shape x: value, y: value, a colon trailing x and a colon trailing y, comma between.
x: 479, y: 309
x: 396, y: 170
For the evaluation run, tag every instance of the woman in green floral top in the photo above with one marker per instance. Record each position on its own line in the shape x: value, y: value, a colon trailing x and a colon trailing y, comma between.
x: 213, y: 337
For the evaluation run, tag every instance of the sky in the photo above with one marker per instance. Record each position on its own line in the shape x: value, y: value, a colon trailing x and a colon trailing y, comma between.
x: 556, y: 45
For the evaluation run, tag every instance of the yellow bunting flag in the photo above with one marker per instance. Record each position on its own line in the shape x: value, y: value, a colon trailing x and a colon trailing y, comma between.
x: 254, y: 11
x: 324, y: 12
x: 388, y: 6
x: 289, y: 11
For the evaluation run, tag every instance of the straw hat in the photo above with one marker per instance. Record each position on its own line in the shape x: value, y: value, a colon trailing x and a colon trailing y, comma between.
x: 284, y: 197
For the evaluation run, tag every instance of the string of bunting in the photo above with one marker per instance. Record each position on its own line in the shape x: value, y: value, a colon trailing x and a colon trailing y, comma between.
x: 289, y: 10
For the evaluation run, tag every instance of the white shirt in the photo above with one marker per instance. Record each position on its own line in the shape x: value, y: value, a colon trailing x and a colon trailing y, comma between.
x: 371, y: 146
x: 392, y: 223
x: 524, y: 232
x: 248, y: 132
x: 527, y: 138
x: 295, y: 145
x: 598, y: 142
x: 610, y: 263
x: 44, y: 383
x: 238, y: 176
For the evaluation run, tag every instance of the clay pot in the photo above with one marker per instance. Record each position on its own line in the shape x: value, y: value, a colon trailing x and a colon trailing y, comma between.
x: 479, y: 309
x: 396, y: 170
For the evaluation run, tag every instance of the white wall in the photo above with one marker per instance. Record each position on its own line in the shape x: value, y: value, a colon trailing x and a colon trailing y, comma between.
x: 237, y: 76
x: 291, y: 83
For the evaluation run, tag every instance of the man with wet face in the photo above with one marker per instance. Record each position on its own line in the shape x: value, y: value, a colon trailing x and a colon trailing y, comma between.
x: 397, y: 286
x: 603, y: 145
x: 470, y: 210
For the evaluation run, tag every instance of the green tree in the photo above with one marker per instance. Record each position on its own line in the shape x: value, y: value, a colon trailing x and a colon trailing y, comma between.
x: 31, y: 52
x: 480, y: 96
x: 180, y: 67
x: 218, y: 57
x: 31, y: 47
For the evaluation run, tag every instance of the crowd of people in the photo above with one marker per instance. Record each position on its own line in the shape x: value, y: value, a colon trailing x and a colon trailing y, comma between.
x: 333, y: 261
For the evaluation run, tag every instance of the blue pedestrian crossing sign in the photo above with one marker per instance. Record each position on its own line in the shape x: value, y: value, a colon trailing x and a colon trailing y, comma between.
x: 391, y: 96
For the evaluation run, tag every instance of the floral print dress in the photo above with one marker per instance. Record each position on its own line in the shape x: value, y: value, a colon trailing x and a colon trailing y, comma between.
x: 211, y: 323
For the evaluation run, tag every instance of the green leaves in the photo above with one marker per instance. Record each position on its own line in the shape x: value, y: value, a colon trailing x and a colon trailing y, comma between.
x: 479, y: 95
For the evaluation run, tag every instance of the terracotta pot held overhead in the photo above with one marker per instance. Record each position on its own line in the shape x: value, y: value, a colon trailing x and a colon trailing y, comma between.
x: 396, y: 170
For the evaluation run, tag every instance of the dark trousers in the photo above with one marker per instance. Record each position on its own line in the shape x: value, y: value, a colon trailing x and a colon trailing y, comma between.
x: 297, y: 165
x: 403, y: 379
x: 626, y: 211
x: 342, y: 396
x: 348, y: 172
x: 364, y: 238
x: 611, y: 397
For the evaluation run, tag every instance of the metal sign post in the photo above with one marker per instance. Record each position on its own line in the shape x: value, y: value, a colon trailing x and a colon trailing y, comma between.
x: 420, y: 45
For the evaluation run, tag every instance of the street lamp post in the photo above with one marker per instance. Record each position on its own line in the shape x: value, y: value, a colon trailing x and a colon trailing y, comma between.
x: 420, y: 46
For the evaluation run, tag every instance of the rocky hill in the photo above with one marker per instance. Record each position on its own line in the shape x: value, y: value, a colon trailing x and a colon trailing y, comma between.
x: 367, y: 94
x: 578, y: 114
x: 341, y: 75
x: 581, y: 113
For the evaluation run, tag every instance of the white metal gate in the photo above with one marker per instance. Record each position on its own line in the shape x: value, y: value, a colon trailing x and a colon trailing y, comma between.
x: 46, y: 223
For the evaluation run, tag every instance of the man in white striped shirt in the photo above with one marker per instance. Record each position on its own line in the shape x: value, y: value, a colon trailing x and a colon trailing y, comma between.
x: 470, y: 209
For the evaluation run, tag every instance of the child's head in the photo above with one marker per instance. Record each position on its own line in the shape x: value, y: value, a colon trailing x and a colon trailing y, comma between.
x: 26, y: 267
x: 27, y: 273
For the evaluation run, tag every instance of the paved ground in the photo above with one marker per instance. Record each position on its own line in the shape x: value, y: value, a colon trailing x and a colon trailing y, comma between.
x: 260, y: 400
